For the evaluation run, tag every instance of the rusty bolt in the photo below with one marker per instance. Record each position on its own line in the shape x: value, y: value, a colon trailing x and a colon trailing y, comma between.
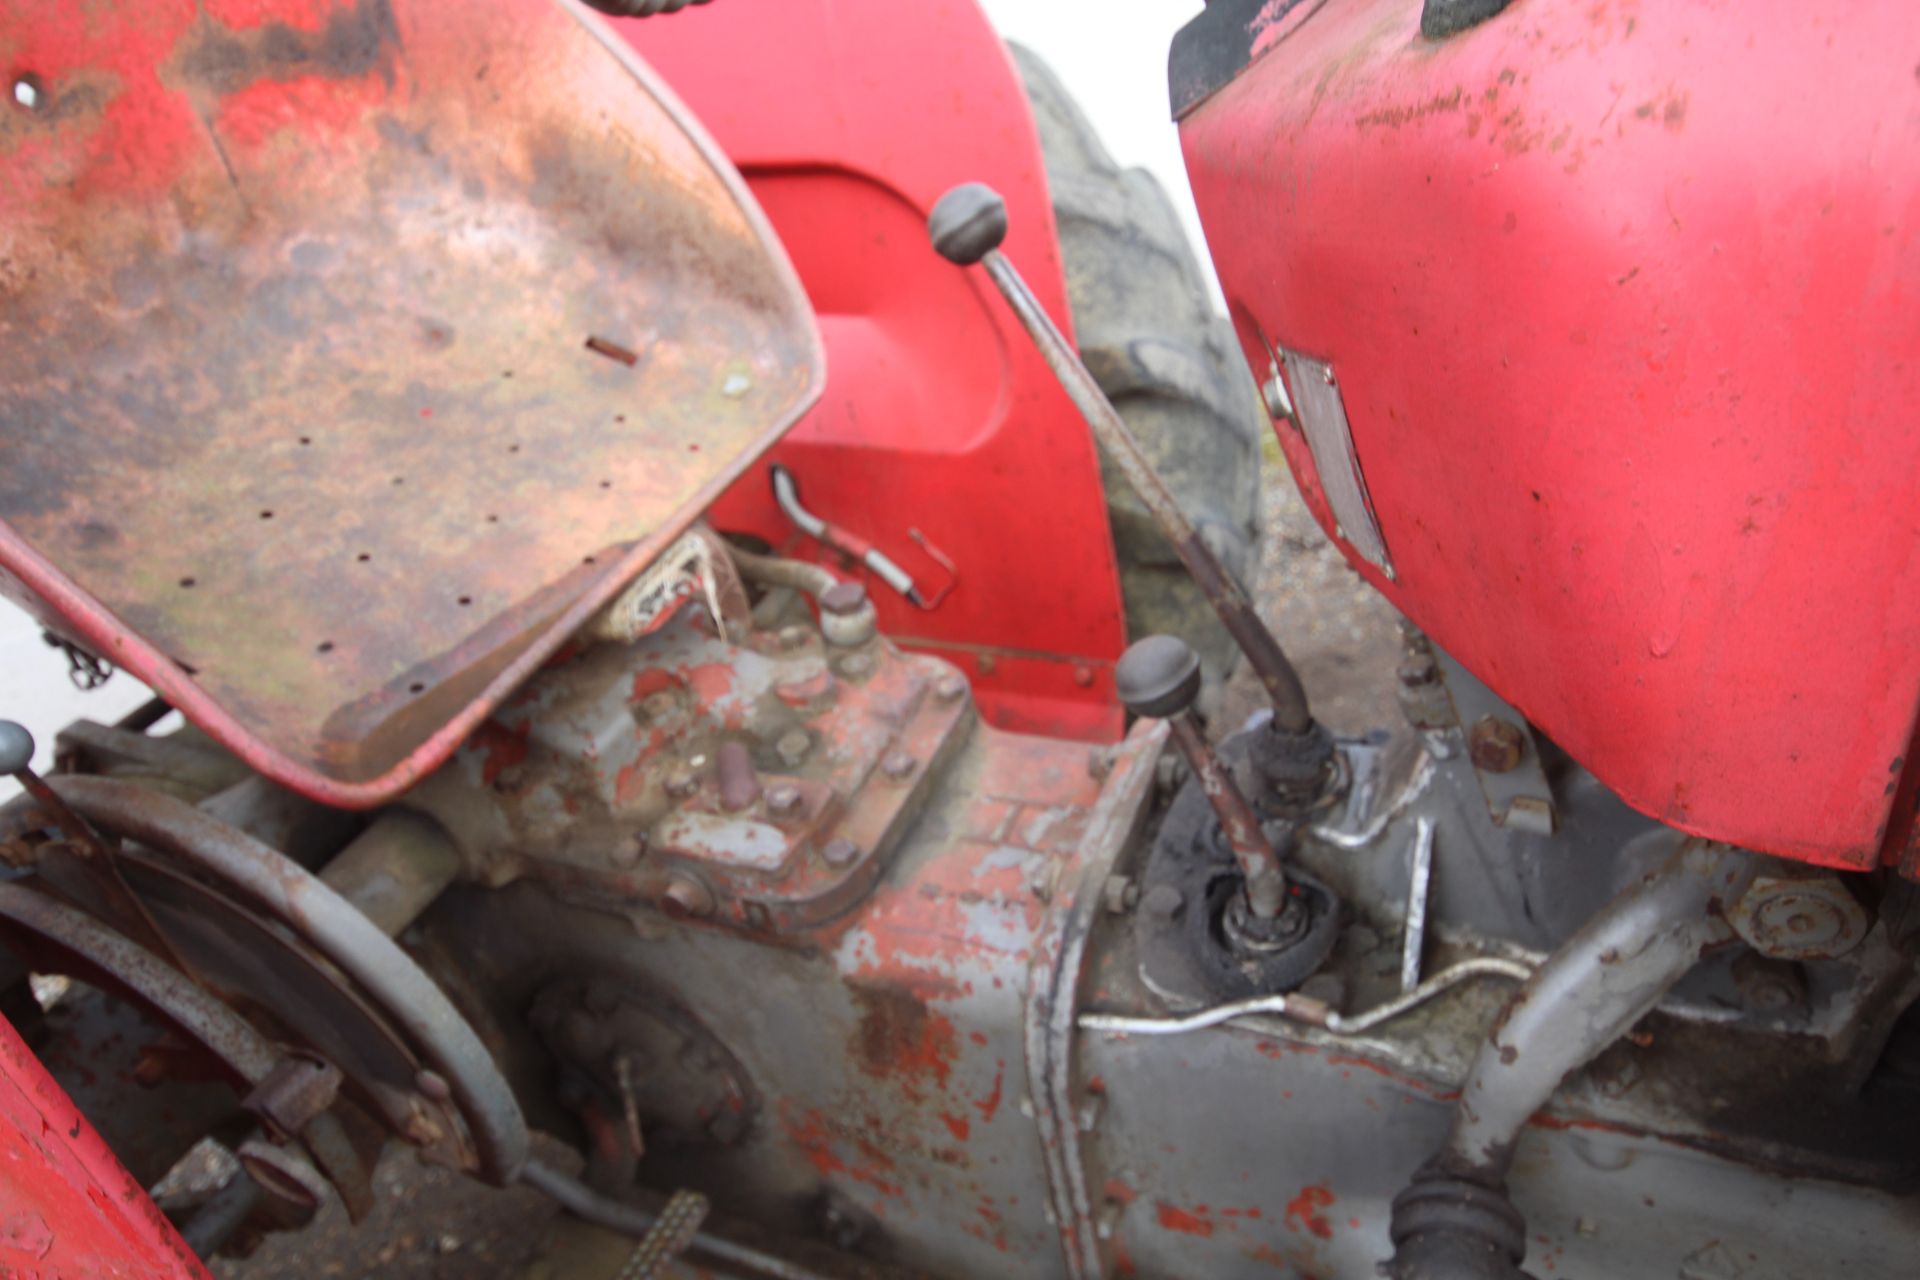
x: 680, y: 784
x: 1800, y: 916
x: 686, y: 898
x: 840, y: 852
x: 1417, y: 669
x: 950, y: 687
x: 1163, y: 902
x: 1495, y: 745
x: 793, y: 746
x: 898, y: 765
x: 432, y: 1084
x: 791, y: 637
x: 856, y: 666
x: 783, y: 798
x: 987, y: 664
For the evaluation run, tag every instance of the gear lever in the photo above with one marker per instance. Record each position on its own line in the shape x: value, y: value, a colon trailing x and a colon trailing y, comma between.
x: 967, y: 226
x: 1159, y: 676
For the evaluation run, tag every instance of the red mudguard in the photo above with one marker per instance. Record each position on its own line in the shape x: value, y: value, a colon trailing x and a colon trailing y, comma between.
x: 849, y: 118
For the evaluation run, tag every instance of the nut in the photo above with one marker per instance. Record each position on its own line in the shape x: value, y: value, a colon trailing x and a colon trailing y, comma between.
x: 840, y: 852
x: 898, y: 765
x: 783, y: 798
x: 628, y: 850
x: 950, y: 687
x: 843, y: 598
x: 1119, y: 894
x: 1495, y: 745
x: 856, y: 666
x: 791, y: 637
x: 680, y: 784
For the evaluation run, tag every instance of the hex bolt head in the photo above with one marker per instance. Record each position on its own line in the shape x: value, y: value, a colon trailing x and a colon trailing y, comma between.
x: 898, y: 765
x: 16, y: 747
x: 783, y: 798
x: 680, y: 784
x: 968, y: 223
x: 791, y: 636
x: 1495, y: 745
x: 856, y: 666
x: 843, y: 598
x: 1158, y: 676
x: 950, y: 687
x: 840, y: 852
x: 686, y: 898
x: 793, y: 746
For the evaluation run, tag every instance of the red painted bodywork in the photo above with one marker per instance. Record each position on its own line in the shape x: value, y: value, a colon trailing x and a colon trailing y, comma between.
x: 70, y: 1209
x: 1624, y: 302
x: 849, y: 118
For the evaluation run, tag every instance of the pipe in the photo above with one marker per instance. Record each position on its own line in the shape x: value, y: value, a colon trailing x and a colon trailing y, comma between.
x: 395, y: 869
x: 1593, y: 988
x: 584, y: 1202
x: 1307, y: 1010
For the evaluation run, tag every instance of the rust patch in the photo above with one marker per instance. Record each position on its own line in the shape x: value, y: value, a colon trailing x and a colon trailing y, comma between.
x: 989, y: 1106
x: 1174, y: 1218
x: 899, y: 1038
x: 1306, y: 1211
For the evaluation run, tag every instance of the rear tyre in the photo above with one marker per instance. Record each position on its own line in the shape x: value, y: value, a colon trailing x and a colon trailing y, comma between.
x: 1147, y: 330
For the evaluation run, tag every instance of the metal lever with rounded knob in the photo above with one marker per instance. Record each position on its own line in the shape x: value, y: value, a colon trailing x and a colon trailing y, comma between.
x: 1159, y: 676
x: 967, y: 226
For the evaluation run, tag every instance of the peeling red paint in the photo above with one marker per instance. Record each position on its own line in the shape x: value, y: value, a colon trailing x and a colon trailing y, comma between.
x: 500, y: 749
x: 959, y: 1126
x: 1304, y: 1210
x: 1174, y: 1218
x: 1119, y: 1192
x: 989, y: 1106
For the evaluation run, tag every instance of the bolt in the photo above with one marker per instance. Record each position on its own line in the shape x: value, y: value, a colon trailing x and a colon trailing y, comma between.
x: 1119, y: 895
x: 1274, y: 393
x: 843, y: 598
x: 658, y: 705
x: 950, y: 687
x: 783, y: 798
x: 898, y: 765
x: 840, y: 852
x: 1417, y: 669
x: 432, y: 1084
x: 1164, y: 903
x: 791, y: 637
x: 793, y: 746
x: 680, y: 784
x: 987, y: 664
x: 856, y: 666
x: 628, y: 851
x: 1083, y: 676
x: 686, y: 898
x: 1099, y: 763
x: 1496, y: 746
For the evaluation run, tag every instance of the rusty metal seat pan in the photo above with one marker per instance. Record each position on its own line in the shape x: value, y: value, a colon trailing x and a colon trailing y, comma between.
x: 298, y: 422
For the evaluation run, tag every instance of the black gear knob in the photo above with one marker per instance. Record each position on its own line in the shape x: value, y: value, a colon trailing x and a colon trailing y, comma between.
x: 968, y: 223
x: 1158, y: 676
x: 16, y: 747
